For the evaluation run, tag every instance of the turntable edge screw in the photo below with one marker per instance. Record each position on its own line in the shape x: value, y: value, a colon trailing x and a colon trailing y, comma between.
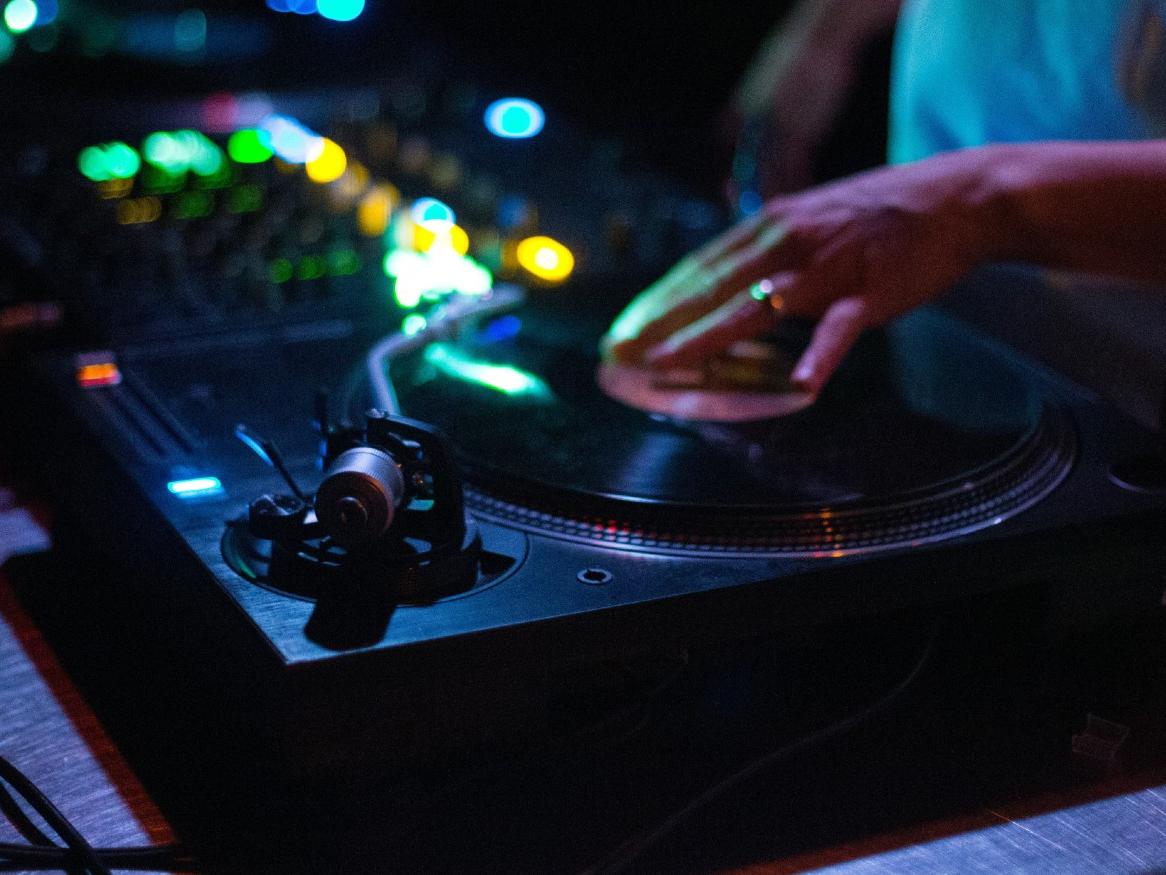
x: 595, y: 576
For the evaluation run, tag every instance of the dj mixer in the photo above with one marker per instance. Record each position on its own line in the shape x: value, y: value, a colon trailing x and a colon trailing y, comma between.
x: 336, y: 418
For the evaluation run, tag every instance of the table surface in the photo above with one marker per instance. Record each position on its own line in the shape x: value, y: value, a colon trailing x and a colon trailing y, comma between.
x: 48, y: 732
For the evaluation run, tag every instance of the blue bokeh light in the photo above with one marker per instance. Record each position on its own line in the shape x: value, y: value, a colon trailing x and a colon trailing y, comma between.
x: 502, y: 328
x: 513, y: 211
x: 299, y: 7
x: 290, y: 140
x: 749, y: 202
x: 514, y: 118
x: 340, y: 10
x: 429, y: 209
x: 46, y: 12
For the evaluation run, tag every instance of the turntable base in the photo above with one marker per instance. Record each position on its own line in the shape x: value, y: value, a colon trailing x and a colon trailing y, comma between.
x: 935, y: 467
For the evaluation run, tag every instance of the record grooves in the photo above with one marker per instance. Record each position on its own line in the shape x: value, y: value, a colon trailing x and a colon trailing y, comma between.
x: 985, y: 498
x: 927, y: 433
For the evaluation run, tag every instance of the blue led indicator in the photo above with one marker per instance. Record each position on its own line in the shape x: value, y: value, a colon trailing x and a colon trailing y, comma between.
x: 514, y: 118
x: 195, y: 486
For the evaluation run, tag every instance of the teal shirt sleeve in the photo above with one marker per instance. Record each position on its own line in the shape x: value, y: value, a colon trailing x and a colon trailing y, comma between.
x: 972, y: 72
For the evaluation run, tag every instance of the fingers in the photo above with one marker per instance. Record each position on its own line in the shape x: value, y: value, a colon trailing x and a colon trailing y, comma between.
x: 765, y: 253
x: 836, y: 332
x: 739, y: 318
x: 731, y: 240
x: 693, y: 290
x: 652, y: 332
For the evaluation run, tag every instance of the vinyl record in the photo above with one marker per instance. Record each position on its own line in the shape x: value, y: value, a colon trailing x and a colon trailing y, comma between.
x: 922, y: 408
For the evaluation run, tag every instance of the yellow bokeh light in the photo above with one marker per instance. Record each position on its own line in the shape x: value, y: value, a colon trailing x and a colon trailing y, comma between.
x: 374, y: 209
x: 138, y: 211
x: 110, y: 189
x: 547, y: 259
x: 329, y: 165
x: 427, y: 235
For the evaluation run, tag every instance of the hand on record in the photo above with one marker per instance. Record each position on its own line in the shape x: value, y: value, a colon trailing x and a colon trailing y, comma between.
x: 852, y: 254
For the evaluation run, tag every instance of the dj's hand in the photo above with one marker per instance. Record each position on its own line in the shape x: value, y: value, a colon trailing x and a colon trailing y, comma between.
x: 852, y: 254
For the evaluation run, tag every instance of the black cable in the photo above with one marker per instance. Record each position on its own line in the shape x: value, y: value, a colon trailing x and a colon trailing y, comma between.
x: 57, y: 821
x: 11, y: 809
x: 635, y: 847
x: 78, y: 855
x: 165, y: 858
x: 24, y: 824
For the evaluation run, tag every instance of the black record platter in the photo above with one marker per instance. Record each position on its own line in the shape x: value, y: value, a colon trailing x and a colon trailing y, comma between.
x: 937, y: 465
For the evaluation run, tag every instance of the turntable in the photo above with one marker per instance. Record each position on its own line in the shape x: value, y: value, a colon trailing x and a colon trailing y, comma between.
x: 360, y: 534
x: 456, y: 569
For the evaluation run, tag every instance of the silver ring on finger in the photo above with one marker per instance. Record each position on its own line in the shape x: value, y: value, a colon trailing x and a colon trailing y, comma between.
x: 765, y: 292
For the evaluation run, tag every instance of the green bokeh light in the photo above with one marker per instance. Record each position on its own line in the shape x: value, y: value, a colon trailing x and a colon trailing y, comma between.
x: 121, y: 160
x: 107, y: 161
x: 311, y: 267
x: 7, y: 45
x: 413, y: 324
x: 245, y: 199
x: 158, y: 181
x: 91, y: 163
x: 194, y: 205
x: 20, y: 15
x: 246, y: 146
x: 343, y: 262
x: 280, y: 270
x: 429, y: 275
x: 180, y: 151
x: 506, y: 379
x: 222, y: 178
x: 161, y: 150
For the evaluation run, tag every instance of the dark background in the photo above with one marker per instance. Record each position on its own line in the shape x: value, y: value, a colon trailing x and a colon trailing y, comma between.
x: 657, y: 76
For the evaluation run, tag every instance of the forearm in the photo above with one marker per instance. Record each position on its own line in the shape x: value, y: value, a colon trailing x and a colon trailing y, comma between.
x: 1096, y: 206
